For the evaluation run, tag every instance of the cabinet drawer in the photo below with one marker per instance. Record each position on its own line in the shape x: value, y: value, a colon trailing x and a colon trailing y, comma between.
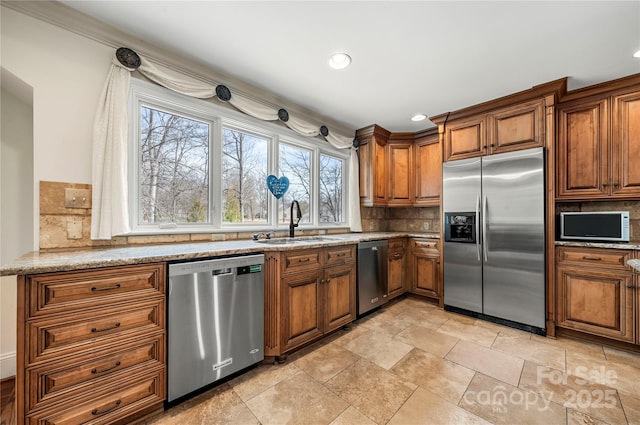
x: 48, y: 338
x: 61, y: 292
x: 426, y: 245
x: 340, y: 254
x: 586, y: 257
x: 396, y: 245
x: 299, y: 260
x: 112, y: 405
x: 48, y: 384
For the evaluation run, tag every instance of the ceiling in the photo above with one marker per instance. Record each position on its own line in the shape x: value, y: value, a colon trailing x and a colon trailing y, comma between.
x: 412, y: 57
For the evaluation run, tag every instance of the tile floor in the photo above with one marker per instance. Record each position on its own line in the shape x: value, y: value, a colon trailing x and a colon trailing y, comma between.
x: 413, y: 363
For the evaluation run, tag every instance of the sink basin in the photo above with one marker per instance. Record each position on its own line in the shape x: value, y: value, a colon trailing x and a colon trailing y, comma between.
x: 315, y: 238
x: 276, y: 241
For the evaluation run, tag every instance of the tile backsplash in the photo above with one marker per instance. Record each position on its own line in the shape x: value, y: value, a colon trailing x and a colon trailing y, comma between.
x: 410, y: 219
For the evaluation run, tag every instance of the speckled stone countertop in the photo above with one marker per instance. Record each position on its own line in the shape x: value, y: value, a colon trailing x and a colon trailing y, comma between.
x: 635, y: 264
x: 609, y: 245
x: 89, y: 258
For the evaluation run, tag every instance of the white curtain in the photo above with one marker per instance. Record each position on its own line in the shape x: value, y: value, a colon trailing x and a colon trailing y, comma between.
x: 110, y: 207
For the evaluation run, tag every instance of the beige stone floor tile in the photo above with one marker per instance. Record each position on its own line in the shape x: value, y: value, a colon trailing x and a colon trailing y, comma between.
x: 385, y: 323
x: 374, y: 391
x: 496, y: 364
x: 257, y: 380
x: 468, y: 332
x: 533, y: 350
x: 572, y: 345
x: 427, y: 318
x: 326, y: 361
x: 461, y: 318
x: 345, y: 336
x: 622, y: 357
x: 425, y: 407
x: 618, y: 375
x: 380, y: 348
x: 595, y: 399
x: 428, y: 340
x: 500, y: 403
x: 220, y: 405
x: 631, y: 407
x: 448, y: 379
x: 297, y: 400
x: 505, y: 331
x: 352, y: 416
x: 575, y: 417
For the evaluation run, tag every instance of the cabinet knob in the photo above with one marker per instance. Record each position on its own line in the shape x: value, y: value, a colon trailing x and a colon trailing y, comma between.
x: 605, y: 184
x: 630, y: 287
x: 322, y: 282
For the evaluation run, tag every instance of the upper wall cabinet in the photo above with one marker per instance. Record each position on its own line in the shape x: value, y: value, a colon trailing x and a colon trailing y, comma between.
x: 428, y: 168
x: 598, y: 139
x: 372, y: 142
x: 401, y: 171
x: 507, y: 124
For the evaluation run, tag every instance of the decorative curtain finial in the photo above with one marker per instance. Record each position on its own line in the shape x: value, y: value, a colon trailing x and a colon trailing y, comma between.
x: 128, y: 58
x: 324, y: 131
x: 355, y: 143
x: 223, y: 93
x: 283, y: 115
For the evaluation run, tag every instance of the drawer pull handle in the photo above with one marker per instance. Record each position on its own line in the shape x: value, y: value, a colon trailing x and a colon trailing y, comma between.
x: 397, y: 256
x: 106, y: 288
x: 95, y: 371
x: 592, y: 258
x: 303, y: 260
x: 94, y: 330
x: 341, y: 254
x: 97, y: 412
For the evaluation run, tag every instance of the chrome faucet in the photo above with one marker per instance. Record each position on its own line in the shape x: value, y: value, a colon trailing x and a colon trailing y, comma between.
x: 299, y: 216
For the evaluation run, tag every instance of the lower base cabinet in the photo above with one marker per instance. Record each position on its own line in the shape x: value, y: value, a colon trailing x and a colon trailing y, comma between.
x: 425, y: 268
x: 308, y: 294
x: 396, y: 285
x: 596, y: 293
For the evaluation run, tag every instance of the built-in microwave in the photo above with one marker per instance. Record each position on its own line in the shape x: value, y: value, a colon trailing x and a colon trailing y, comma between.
x: 595, y: 226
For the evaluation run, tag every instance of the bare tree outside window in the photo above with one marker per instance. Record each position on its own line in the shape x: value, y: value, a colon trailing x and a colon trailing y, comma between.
x: 174, y: 168
x: 244, y: 175
x: 331, y: 198
x: 295, y: 164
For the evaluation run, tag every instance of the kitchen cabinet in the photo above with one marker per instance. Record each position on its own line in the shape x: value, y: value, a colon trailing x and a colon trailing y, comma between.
x: 372, y: 142
x: 425, y: 267
x: 401, y: 173
x: 308, y: 293
x: 516, y: 127
x: 596, y: 292
x: 598, y: 141
x: 396, y: 268
x: 428, y: 169
x: 91, y: 345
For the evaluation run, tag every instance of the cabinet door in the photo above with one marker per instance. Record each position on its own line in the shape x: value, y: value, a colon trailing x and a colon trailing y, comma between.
x: 379, y: 172
x: 582, y: 152
x: 425, y: 275
x: 626, y: 145
x: 339, y: 296
x: 366, y: 173
x: 466, y: 139
x: 301, y: 309
x: 428, y: 166
x: 395, y: 270
x: 517, y: 127
x: 597, y: 302
x: 400, y: 179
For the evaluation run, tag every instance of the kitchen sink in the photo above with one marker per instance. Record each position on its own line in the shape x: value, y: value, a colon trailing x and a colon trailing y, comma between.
x: 284, y: 241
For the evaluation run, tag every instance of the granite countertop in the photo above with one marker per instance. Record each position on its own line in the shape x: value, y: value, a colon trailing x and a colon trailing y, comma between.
x: 635, y: 264
x: 609, y: 245
x: 88, y: 258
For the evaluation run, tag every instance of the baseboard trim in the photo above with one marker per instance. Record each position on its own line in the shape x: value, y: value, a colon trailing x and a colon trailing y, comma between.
x: 7, y: 365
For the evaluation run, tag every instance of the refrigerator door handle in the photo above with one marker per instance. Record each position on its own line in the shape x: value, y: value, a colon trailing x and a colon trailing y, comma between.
x: 478, y: 227
x: 485, y: 242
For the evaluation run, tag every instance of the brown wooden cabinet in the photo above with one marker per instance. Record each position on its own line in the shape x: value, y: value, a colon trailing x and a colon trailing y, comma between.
x: 92, y: 345
x: 428, y: 169
x: 425, y: 267
x: 599, y: 142
x: 595, y: 292
x: 400, y: 192
x: 308, y: 293
x: 396, y: 268
x: 372, y: 156
x: 465, y: 138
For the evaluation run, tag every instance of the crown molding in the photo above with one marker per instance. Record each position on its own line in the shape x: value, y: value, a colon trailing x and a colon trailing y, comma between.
x: 67, y: 18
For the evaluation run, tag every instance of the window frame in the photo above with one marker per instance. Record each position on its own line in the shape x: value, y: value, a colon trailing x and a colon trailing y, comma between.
x: 220, y: 117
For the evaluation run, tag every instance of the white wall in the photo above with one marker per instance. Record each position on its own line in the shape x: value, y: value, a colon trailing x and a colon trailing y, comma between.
x: 16, y: 199
x: 66, y: 73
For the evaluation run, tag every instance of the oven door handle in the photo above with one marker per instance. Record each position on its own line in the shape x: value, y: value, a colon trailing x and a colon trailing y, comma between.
x: 477, y: 227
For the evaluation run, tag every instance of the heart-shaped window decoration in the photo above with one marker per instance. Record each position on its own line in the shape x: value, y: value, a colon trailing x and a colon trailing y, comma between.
x: 278, y: 186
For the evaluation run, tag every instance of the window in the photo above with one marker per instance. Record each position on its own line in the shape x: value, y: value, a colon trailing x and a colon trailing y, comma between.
x: 199, y: 167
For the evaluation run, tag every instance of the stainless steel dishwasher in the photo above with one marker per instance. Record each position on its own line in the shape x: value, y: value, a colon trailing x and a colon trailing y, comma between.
x: 215, y: 320
x: 372, y: 275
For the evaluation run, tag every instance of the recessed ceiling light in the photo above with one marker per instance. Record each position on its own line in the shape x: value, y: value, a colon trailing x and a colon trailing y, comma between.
x: 339, y: 60
x: 637, y: 54
x: 418, y: 117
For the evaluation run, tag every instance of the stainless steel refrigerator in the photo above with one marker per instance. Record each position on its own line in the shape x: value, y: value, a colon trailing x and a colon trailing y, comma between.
x: 494, y: 238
